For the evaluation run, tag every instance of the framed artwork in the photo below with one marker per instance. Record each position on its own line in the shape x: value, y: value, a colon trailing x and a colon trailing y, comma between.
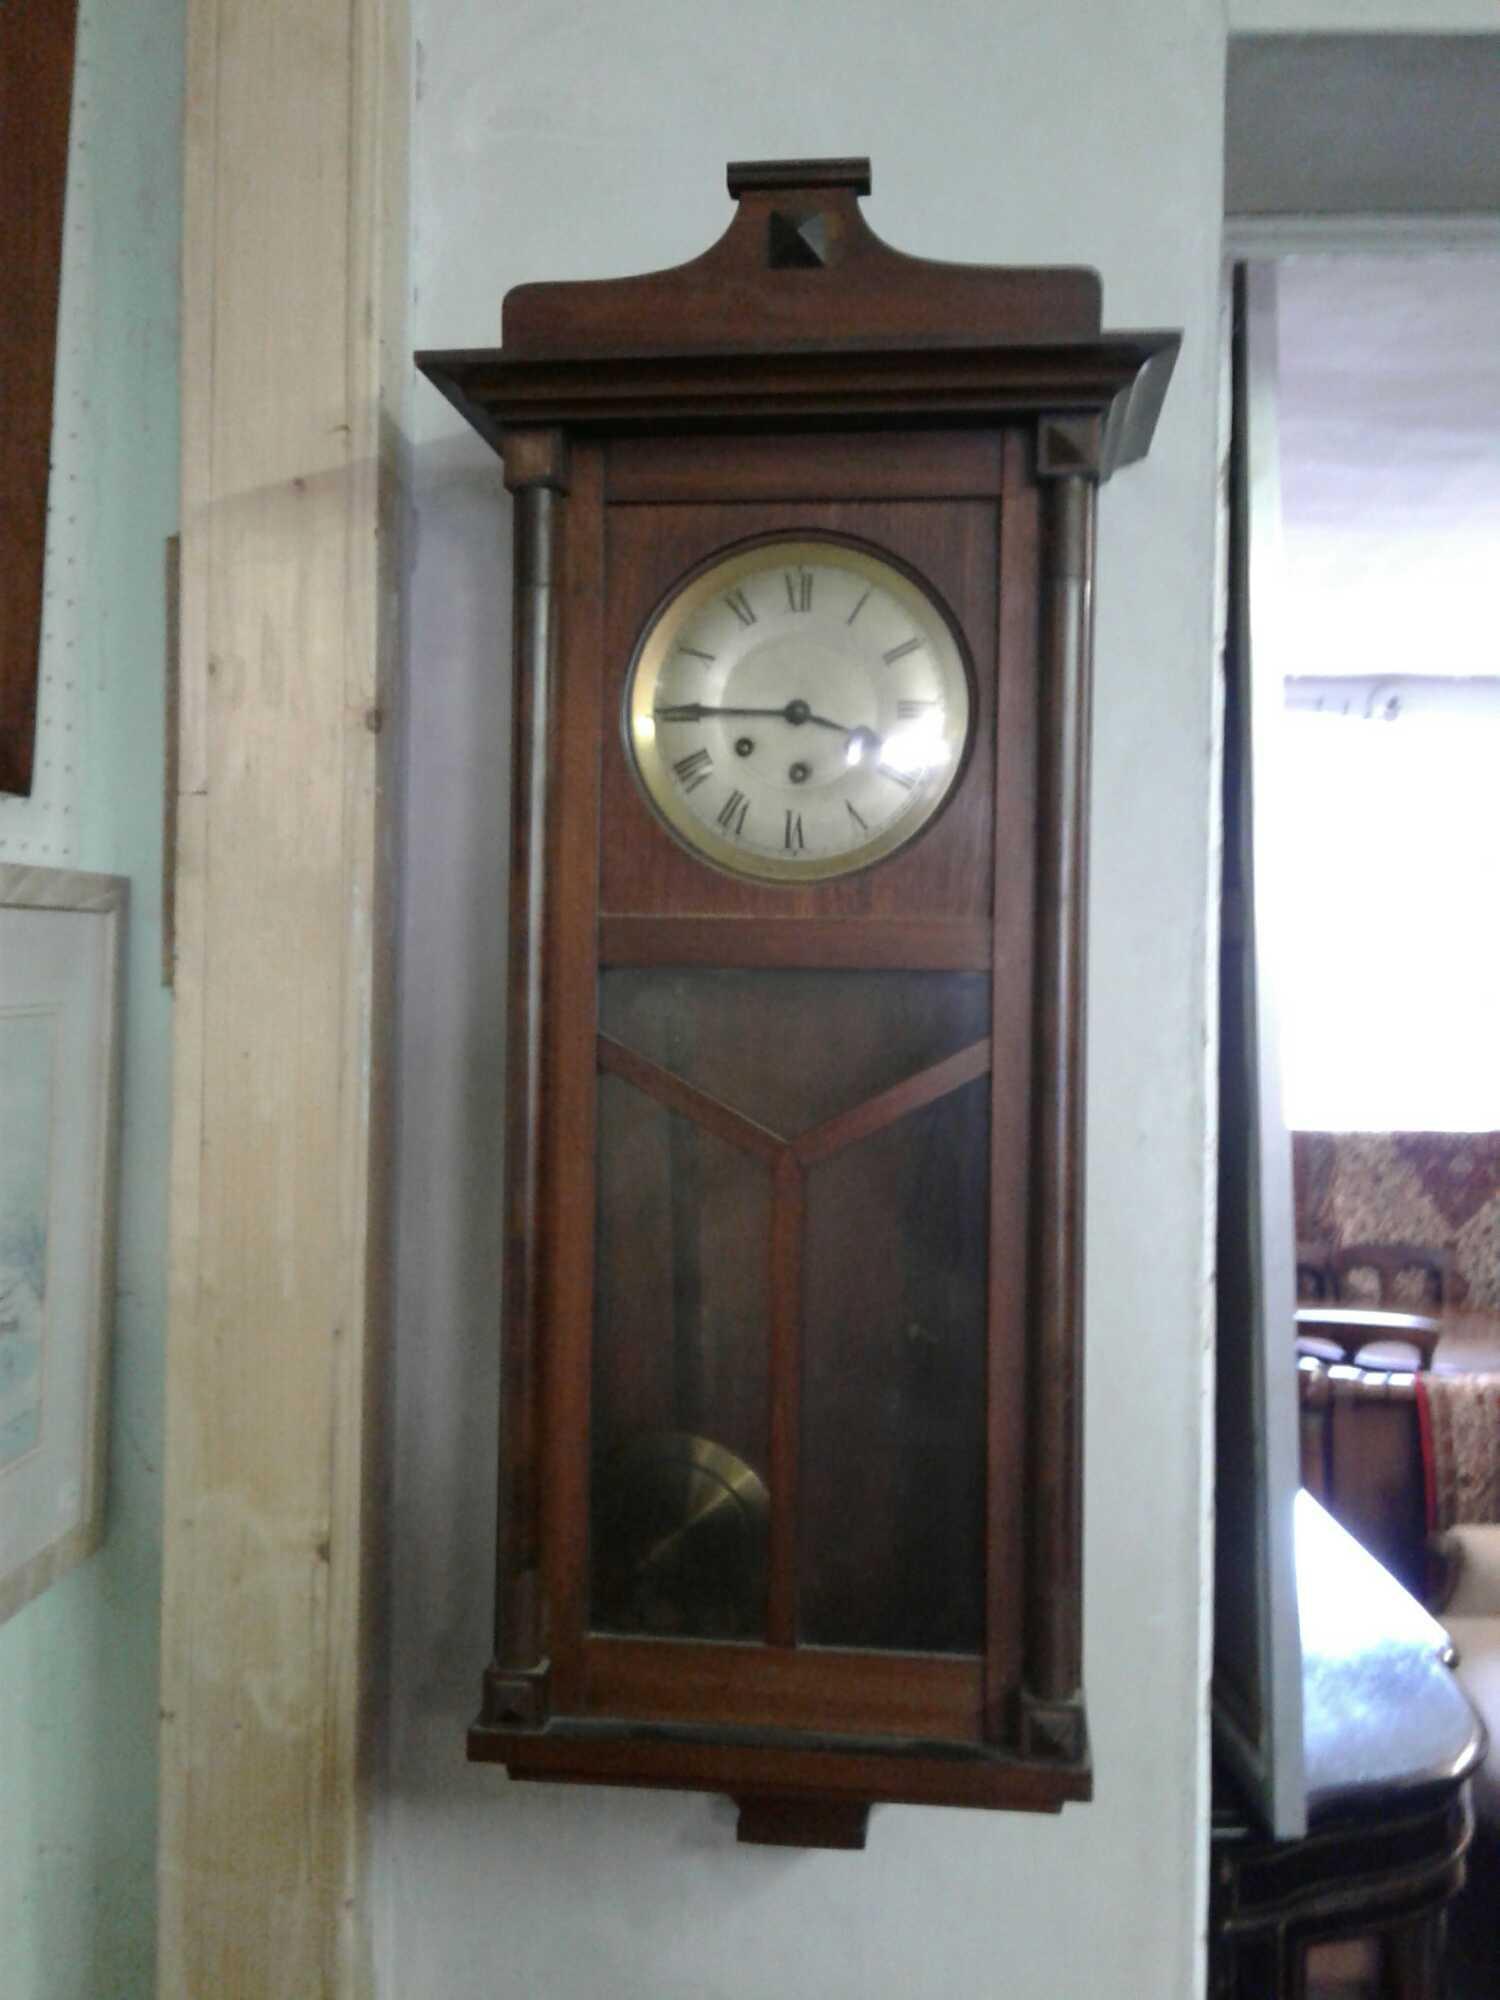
x: 60, y: 967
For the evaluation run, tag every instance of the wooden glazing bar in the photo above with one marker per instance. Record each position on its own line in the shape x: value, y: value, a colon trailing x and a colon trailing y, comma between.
x: 1054, y: 1636
x: 822, y: 943
x: 675, y: 1094
x: 788, y: 1229
x: 862, y: 1121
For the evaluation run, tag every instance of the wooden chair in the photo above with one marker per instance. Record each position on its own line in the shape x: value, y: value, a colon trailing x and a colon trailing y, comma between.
x: 1387, y: 1261
x: 1314, y: 1271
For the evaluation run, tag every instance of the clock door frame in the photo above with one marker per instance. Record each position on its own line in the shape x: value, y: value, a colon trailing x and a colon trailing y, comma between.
x: 1013, y: 1707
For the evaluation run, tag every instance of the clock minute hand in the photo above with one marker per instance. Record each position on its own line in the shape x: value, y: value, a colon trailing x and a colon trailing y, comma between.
x: 863, y: 742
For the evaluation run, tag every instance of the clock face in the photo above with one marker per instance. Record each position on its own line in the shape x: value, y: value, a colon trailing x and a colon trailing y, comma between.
x: 798, y: 710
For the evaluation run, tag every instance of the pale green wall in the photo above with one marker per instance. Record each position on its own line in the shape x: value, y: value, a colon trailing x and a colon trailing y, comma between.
x: 78, y: 1666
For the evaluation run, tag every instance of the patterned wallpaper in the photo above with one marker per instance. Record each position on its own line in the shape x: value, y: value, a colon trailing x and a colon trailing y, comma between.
x: 1440, y: 1189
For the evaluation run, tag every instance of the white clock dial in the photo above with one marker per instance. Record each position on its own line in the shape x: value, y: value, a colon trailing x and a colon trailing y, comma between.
x: 798, y: 710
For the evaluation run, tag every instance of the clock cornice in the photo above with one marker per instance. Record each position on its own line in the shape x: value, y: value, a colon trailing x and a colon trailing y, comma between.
x: 745, y: 336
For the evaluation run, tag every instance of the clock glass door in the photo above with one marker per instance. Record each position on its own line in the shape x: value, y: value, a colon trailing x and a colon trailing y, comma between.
x: 788, y: 1375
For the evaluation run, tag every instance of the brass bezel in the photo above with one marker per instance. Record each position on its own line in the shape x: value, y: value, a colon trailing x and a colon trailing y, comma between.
x: 931, y: 793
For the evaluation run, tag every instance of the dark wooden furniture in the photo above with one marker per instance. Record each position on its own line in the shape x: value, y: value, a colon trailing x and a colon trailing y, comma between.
x: 1357, y: 1907
x: 1470, y: 1343
x: 1352, y: 1331
x: 791, y: 1460
x: 1314, y: 1271
x: 36, y: 90
x: 1387, y: 1262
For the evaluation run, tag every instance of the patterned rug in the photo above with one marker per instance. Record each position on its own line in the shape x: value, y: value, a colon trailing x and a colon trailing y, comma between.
x: 1460, y: 1423
x: 1436, y: 1188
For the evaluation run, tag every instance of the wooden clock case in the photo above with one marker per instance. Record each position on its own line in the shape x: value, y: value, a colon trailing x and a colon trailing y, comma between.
x: 801, y: 377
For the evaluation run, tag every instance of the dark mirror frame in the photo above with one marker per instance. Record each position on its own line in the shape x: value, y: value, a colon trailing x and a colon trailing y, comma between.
x: 36, y: 89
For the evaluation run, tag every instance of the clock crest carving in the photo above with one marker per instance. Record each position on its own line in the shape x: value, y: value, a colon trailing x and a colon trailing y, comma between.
x: 792, y: 1344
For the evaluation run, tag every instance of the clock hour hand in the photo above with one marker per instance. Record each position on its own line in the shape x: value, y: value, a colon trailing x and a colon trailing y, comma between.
x: 695, y: 711
x: 796, y: 712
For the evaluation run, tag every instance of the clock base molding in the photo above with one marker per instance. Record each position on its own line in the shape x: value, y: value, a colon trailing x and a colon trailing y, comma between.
x: 827, y: 1779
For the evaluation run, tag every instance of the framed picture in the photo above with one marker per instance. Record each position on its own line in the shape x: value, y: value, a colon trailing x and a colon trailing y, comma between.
x: 60, y: 967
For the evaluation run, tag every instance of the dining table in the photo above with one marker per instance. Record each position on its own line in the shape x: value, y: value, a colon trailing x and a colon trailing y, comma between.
x: 1448, y: 1340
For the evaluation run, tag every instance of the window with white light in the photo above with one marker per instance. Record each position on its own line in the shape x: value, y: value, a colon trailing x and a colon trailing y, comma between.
x: 1388, y: 916
x: 1384, y: 803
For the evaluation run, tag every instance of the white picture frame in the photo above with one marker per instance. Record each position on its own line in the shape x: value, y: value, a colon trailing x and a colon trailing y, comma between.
x: 61, y: 940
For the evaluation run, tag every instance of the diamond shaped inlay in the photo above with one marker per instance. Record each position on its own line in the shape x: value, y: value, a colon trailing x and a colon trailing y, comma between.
x: 798, y: 242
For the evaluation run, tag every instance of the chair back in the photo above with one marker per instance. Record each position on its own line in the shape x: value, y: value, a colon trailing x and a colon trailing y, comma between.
x: 1314, y: 1271
x: 1387, y: 1261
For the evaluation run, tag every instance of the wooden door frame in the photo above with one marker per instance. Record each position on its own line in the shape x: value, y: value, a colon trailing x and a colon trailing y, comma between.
x: 294, y: 368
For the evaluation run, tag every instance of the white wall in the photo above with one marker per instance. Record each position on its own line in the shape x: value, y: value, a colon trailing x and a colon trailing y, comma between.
x: 1362, y: 17
x: 1388, y: 417
x: 585, y: 140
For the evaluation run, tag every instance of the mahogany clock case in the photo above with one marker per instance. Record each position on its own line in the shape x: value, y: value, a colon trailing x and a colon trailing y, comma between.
x: 790, y: 1452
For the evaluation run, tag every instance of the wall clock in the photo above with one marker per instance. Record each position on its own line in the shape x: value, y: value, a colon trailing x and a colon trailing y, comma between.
x: 791, y: 1456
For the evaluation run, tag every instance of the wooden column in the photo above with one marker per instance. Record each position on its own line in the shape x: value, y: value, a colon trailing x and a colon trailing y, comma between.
x: 294, y: 357
x: 1051, y: 1703
x: 516, y: 1687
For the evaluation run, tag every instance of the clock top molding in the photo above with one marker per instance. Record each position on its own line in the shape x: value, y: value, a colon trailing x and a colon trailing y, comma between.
x: 801, y: 318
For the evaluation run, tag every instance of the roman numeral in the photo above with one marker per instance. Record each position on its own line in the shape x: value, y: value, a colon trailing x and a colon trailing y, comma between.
x: 794, y: 841
x: 799, y: 588
x: 912, y: 711
x: 858, y: 608
x: 739, y: 604
x: 902, y: 778
x: 696, y: 653
x: 694, y: 769
x: 679, y: 711
x: 858, y: 818
x: 900, y: 652
x: 732, y: 814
